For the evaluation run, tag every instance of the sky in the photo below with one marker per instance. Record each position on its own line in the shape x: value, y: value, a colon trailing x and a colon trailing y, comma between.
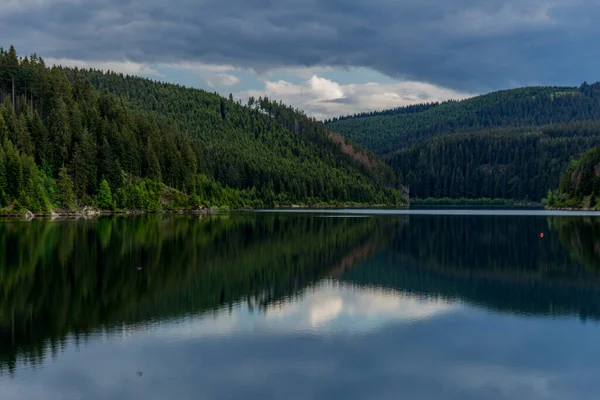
x: 327, y: 57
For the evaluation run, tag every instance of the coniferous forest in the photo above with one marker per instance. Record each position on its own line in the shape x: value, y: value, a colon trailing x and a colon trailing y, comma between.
x: 580, y: 184
x: 512, y: 144
x: 71, y: 138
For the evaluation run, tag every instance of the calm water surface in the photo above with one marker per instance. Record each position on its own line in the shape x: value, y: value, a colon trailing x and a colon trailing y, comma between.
x: 427, y: 305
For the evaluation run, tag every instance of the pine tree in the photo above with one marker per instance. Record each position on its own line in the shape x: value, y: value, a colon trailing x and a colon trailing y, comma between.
x: 32, y: 194
x: 3, y: 184
x: 14, y: 170
x: 10, y: 121
x: 153, y: 168
x: 23, y: 138
x: 39, y: 135
x: 59, y: 133
x: 104, y: 198
x: 83, y: 166
x: 222, y: 107
x: 66, y: 191
x: 12, y: 66
x: 3, y: 128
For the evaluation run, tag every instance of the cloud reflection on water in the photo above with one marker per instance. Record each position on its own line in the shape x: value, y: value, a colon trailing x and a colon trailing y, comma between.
x: 333, y: 341
x: 328, y: 307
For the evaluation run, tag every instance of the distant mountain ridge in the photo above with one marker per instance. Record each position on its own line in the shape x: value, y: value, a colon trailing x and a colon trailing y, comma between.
x: 508, y: 144
x: 385, y: 131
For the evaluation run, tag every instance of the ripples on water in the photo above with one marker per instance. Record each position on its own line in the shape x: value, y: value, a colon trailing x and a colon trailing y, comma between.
x: 292, y: 305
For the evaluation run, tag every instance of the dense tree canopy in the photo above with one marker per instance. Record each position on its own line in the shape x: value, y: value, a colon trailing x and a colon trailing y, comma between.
x: 533, y: 106
x: 580, y: 183
x: 515, y: 163
x: 160, y: 145
x: 511, y: 144
x: 251, y: 146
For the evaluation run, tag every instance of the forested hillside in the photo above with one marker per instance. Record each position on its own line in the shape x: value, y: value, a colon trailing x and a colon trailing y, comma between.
x: 534, y: 106
x: 579, y: 184
x: 71, y: 138
x: 513, y: 163
x: 509, y: 144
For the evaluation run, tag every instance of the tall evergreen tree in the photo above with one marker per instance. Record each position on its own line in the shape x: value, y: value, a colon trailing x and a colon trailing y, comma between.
x: 104, y: 198
x: 66, y: 188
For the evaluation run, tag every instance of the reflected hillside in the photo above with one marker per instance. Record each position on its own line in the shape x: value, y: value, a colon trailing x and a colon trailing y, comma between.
x: 60, y: 278
x: 581, y: 237
x: 500, y: 263
x: 72, y: 278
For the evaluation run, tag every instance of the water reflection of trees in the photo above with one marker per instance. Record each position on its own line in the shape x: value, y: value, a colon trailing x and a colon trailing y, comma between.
x: 69, y: 279
x: 500, y: 263
x: 61, y: 278
x: 581, y: 237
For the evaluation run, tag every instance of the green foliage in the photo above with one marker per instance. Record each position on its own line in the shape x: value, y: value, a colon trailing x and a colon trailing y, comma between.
x: 579, y: 185
x: 3, y: 179
x: 20, y: 180
x: 65, y: 186
x: 104, y: 197
x: 3, y: 127
x: 516, y: 164
x: 139, y: 134
x: 241, y: 148
x: 49, y: 184
x: 144, y: 194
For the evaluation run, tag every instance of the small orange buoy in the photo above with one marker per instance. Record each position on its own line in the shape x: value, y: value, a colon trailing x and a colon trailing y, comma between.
x: 541, y: 235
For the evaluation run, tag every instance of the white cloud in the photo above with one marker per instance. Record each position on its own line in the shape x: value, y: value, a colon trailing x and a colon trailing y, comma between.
x: 213, y: 80
x: 10, y: 6
x: 325, y: 89
x: 323, y: 98
x: 201, y: 67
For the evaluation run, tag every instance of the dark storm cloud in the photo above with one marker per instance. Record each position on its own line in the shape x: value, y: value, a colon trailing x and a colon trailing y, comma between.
x: 463, y: 44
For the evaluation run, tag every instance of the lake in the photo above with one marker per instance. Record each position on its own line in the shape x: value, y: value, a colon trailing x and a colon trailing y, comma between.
x: 420, y: 304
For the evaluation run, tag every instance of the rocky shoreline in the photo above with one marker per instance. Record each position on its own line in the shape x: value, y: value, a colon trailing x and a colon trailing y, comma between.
x: 571, y: 209
x: 90, y: 212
